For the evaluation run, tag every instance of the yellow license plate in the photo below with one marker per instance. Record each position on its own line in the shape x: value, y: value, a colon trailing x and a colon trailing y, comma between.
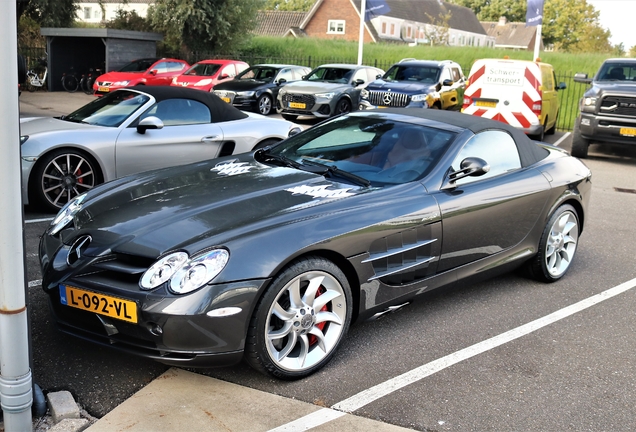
x: 103, y: 89
x: 226, y: 99
x: 486, y: 104
x: 628, y: 132
x: 98, y: 303
x: 297, y: 105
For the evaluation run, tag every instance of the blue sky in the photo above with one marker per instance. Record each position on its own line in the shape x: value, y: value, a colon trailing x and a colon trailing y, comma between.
x: 618, y: 17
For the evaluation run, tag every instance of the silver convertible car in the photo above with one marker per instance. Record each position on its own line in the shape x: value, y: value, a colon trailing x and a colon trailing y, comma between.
x: 130, y: 131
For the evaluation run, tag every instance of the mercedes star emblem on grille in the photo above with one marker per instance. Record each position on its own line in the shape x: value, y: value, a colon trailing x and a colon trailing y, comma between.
x: 387, y: 98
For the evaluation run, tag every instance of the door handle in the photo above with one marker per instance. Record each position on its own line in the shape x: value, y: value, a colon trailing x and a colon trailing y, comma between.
x: 210, y: 138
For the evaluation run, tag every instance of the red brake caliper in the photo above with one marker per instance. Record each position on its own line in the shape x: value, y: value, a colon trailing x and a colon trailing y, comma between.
x: 313, y: 339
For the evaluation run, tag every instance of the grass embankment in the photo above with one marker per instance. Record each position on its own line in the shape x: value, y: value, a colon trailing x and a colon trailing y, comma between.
x: 312, y: 52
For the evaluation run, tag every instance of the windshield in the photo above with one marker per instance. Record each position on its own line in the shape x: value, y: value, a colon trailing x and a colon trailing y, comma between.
x: 330, y: 74
x: 110, y: 110
x: 380, y: 150
x: 203, y: 69
x: 617, y: 71
x: 424, y: 74
x: 138, y: 65
x: 260, y: 73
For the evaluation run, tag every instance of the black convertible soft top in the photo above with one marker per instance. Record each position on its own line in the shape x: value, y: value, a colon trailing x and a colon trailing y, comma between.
x: 529, y: 151
x: 220, y: 111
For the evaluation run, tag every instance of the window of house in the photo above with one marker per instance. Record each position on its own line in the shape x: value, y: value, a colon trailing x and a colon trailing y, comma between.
x: 497, y: 148
x: 336, y: 27
x: 392, y: 29
x: 408, y: 32
x: 87, y: 13
x: 97, y: 14
x: 383, y: 28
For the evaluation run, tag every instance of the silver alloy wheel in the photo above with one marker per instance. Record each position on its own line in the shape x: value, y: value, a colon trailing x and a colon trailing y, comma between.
x: 66, y: 176
x: 264, y: 105
x: 561, y: 244
x: 306, y: 320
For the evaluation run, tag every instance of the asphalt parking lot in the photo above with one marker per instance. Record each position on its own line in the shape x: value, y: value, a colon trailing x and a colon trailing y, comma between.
x: 508, y: 354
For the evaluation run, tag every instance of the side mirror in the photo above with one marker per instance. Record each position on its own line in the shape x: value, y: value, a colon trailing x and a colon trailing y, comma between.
x: 469, y: 167
x: 282, y: 81
x: 378, y: 76
x: 582, y: 78
x: 447, y: 82
x: 152, y: 72
x: 358, y: 82
x: 562, y: 86
x: 224, y: 76
x: 150, y: 122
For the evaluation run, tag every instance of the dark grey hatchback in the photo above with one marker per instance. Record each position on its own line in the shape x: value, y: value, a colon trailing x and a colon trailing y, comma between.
x: 270, y: 255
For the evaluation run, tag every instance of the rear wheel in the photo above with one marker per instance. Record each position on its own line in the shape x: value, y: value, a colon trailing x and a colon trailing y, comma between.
x: 265, y: 105
x: 557, y: 246
x: 301, y: 319
x: 63, y: 174
x: 579, y: 144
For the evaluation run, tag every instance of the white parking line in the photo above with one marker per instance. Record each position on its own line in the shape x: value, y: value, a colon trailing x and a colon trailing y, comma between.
x: 38, y: 220
x: 374, y: 393
x: 560, y: 140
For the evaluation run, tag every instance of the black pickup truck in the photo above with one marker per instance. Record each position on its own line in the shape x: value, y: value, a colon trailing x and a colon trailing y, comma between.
x: 608, y: 107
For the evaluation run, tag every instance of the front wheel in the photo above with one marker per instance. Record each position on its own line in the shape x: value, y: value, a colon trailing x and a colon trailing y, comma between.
x: 264, y: 104
x: 301, y: 319
x: 557, y: 246
x: 343, y: 107
x: 61, y: 175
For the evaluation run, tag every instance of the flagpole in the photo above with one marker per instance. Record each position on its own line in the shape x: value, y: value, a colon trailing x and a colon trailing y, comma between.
x: 363, y: 8
x: 537, y: 43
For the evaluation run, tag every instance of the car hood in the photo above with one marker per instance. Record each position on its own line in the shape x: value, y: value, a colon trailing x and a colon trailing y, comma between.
x: 314, y: 87
x: 208, y: 203
x: 399, y: 86
x: 36, y: 125
x: 242, y: 85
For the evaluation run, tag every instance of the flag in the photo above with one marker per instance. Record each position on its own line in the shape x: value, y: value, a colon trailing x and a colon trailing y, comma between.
x: 534, y: 14
x: 376, y: 8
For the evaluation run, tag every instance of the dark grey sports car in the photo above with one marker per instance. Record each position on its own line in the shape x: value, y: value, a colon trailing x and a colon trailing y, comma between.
x: 270, y: 255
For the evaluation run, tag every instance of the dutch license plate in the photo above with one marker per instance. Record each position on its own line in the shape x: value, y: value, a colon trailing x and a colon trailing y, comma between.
x: 628, y: 132
x: 98, y: 303
x: 486, y: 104
x: 297, y: 105
x: 226, y: 99
x: 103, y: 89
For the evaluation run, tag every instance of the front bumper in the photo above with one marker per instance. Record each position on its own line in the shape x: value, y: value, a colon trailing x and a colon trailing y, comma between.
x: 365, y: 105
x: 614, y: 130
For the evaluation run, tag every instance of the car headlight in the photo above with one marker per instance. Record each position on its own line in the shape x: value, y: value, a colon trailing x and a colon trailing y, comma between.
x: 246, y: 93
x: 204, y: 82
x: 418, y: 98
x: 282, y: 91
x: 364, y: 93
x: 120, y: 83
x: 589, y: 101
x: 185, y: 274
x: 329, y: 95
x: 66, y: 214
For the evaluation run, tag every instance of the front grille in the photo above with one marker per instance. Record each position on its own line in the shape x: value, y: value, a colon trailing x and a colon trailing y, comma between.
x: 383, y: 98
x: 308, y: 100
x: 618, y: 105
x: 115, y: 270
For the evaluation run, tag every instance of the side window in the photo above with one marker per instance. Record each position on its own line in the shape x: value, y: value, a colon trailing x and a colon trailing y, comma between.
x: 372, y: 75
x: 360, y: 74
x: 161, y: 67
x: 285, y: 74
x: 497, y: 148
x: 548, y: 84
x: 445, y: 75
x: 175, y: 66
x: 177, y: 112
x: 299, y: 73
x: 228, y: 70
x: 456, y: 75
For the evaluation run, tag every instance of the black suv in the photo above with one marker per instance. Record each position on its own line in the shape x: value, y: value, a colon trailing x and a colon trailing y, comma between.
x: 608, y: 107
x: 417, y: 84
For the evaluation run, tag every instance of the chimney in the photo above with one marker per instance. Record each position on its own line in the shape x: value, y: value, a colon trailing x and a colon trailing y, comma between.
x: 502, y: 21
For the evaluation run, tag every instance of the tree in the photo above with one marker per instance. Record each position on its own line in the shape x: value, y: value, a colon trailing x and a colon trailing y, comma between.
x: 569, y: 25
x: 204, y: 25
x: 289, y: 5
x: 437, y: 32
x: 128, y: 20
x: 48, y: 13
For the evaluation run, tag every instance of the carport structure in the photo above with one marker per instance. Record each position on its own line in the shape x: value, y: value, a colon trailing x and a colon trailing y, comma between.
x: 76, y: 50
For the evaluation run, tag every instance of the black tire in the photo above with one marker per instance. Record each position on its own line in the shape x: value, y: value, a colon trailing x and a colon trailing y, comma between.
x: 88, y: 87
x: 293, y: 332
x: 61, y: 175
x: 557, y: 246
x: 70, y: 83
x: 552, y: 130
x: 343, y: 106
x: 265, y: 143
x: 579, y: 144
x: 264, y: 105
x: 290, y: 117
x: 541, y: 135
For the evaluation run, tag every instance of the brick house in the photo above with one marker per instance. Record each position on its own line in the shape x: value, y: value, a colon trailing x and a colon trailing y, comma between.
x: 511, y: 35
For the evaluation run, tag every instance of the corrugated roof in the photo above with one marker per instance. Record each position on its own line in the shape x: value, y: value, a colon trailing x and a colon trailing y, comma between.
x: 276, y: 23
x: 509, y: 34
x: 462, y: 18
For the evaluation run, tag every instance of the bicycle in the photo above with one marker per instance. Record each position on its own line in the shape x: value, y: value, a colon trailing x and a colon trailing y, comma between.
x: 70, y: 81
x: 33, y: 80
x: 89, y: 79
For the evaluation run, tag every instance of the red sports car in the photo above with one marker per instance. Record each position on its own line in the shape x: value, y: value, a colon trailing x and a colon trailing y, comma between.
x: 205, y: 74
x: 147, y: 71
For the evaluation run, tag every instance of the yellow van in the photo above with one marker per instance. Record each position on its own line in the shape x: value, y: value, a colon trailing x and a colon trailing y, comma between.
x: 518, y: 92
